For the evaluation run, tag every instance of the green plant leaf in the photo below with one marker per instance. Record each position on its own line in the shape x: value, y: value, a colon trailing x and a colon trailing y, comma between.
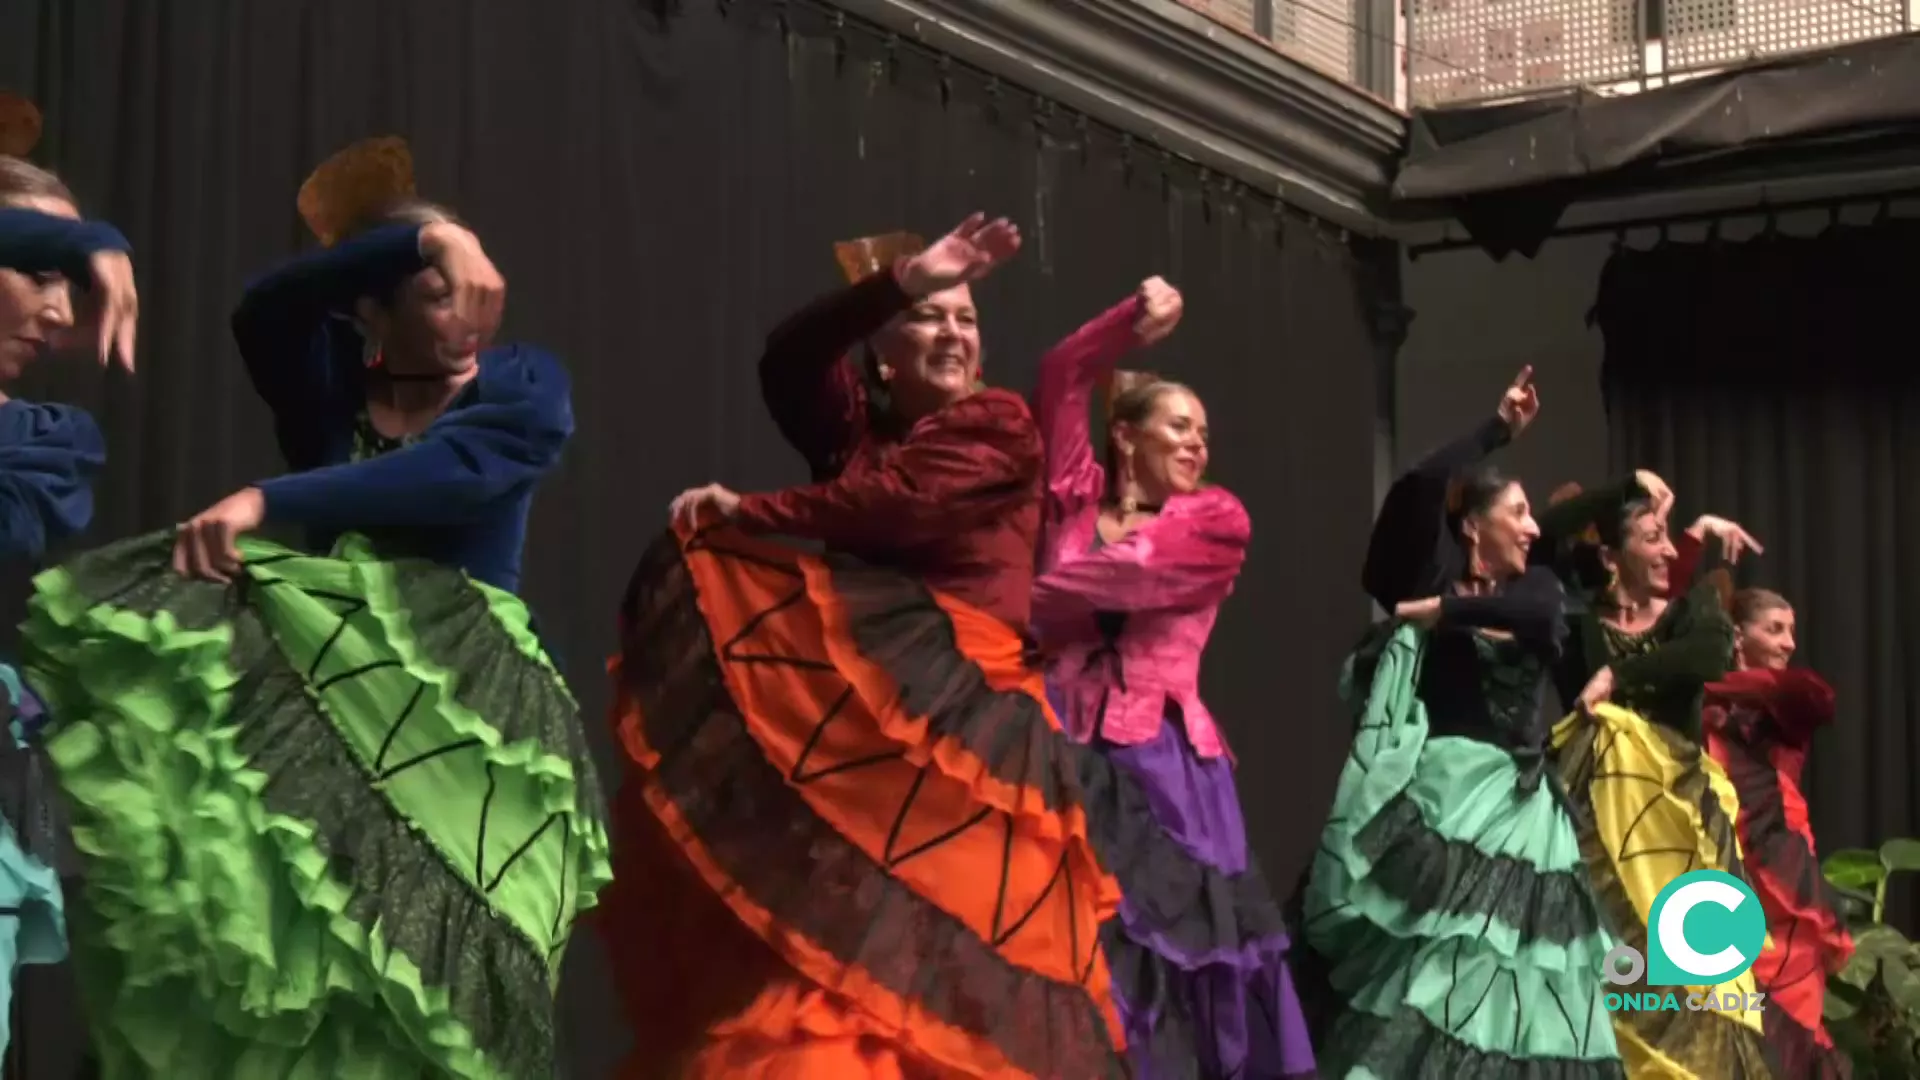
x: 1838, y: 1008
x: 1903, y: 985
x: 1882, y: 943
x: 1900, y: 855
x: 1854, y: 869
x: 1859, y: 971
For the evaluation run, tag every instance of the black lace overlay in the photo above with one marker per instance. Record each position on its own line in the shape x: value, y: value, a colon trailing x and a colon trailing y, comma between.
x: 1171, y: 897
x: 759, y: 831
x: 495, y: 978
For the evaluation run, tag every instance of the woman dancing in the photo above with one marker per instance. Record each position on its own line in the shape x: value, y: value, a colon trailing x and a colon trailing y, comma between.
x: 1651, y: 805
x: 336, y: 809
x: 1447, y: 913
x: 49, y: 455
x: 1760, y: 722
x: 1135, y: 565
x: 857, y: 843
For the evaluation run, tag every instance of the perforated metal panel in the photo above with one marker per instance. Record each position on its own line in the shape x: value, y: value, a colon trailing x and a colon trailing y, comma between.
x: 1318, y: 33
x: 1467, y: 50
x: 1709, y: 33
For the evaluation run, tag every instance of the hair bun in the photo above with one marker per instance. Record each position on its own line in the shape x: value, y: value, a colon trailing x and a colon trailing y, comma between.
x: 865, y: 256
x: 354, y: 185
x: 1122, y: 381
x: 20, y: 125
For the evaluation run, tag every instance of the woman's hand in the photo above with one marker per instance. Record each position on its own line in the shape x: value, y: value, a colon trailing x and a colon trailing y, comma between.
x: 1658, y: 493
x: 1734, y: 540
x: 478, y: 292
x: 687, y: 507
x: 118, y: 316
x: 1160, y: 307
x: 206, y: 545
x: 1598, y: 689
x: 970, y: 252
x: 1521, y: 403
x: 1422, y: 613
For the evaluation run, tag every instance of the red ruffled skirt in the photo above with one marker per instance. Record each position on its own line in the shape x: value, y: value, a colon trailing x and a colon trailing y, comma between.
x: 1808, y: 937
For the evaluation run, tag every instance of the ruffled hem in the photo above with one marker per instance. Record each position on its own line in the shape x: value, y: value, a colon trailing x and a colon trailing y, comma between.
x: 1639, y: 835
x: 1441, y: 838
x: 964, y: 931
x: 1171, y: 902
x: 1409, y: 965
x: 257, y: 903
x: 1803, y: 1053
x: 1406, y: 1045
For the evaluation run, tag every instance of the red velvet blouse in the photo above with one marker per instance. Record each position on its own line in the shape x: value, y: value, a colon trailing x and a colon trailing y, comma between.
x: 954, y: 500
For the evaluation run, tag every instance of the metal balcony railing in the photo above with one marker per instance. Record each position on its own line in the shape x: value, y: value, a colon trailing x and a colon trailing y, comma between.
x: 1460, y: 51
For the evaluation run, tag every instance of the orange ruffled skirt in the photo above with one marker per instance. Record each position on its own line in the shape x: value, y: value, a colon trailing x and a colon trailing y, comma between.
x: 853, y: 844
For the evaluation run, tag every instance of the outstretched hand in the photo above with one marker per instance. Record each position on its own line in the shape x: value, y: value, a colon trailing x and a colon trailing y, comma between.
x: 206, y: 545
x: 1160, y: 306
x: 118, y: 316
x: 1734, y: 540
x: 1422, y: 613
x: 1521, y: 403
x: 712, y: 500
x: 970, y: 252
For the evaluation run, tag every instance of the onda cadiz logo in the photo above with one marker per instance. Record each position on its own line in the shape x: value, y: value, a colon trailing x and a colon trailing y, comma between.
x: 1706, y: 928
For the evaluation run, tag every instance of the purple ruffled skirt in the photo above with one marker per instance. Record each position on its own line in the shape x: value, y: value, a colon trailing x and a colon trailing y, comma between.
x: 1199, y: 973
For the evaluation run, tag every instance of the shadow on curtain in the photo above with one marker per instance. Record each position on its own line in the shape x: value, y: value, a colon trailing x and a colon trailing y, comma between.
x: 1774, y: 382
x: 659, y: 194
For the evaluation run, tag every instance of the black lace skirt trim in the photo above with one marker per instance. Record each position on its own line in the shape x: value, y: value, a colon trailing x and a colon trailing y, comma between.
x: 1174, y: 903
x: 1428, y: 872
x: 762, y: 834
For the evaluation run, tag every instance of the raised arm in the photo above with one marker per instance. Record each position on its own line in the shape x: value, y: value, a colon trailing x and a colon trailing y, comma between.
x: 1532, y: 608
x: 289, y: 325
x: 460, y: 468
x: 1562, y: 522
x: 811, y: 385
x: 1063, y: 402
x: 32, y: 242
x: 1410, y: 553
x: 1186, y: 558
x: 49, y: 456
x: 1699, y: 649
x: 970, y: 463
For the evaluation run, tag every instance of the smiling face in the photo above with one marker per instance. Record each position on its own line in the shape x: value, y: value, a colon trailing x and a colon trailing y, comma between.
x: 1766, y: 635
x: 930, y: 357
x: 1500, y: 533
x: 1644, y: 558
x: 1166, y: 450
x: 416, y: 332
x: 34, y: 308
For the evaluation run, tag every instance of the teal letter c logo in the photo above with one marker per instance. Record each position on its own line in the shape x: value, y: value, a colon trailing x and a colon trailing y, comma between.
x: 1706, y: 927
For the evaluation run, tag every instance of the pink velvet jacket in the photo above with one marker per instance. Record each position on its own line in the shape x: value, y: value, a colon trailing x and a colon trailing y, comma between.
x: 1168, y: 577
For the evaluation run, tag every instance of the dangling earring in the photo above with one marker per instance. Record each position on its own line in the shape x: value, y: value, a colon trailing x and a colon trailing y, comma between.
x: 1128, y: 503
x: 372, y: 355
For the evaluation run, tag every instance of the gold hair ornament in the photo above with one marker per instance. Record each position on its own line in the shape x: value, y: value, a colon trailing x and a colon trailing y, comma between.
x: 354, y: 185
x: 20, y: 125
x: 865, y: 256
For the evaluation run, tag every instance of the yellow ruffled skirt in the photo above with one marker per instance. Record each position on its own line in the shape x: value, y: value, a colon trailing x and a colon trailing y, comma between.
x: 1650, y: 805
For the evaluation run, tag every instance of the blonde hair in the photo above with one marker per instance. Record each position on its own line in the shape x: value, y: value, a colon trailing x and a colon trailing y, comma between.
x: 21, y: 180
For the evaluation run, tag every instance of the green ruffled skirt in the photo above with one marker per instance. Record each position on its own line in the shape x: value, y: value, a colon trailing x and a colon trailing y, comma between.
x: 1448, y: 927
x: 336, y: 820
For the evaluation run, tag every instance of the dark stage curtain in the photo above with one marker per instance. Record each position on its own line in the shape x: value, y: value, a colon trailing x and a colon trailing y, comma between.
x: 1773, y: 382
x: 659, y: 193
